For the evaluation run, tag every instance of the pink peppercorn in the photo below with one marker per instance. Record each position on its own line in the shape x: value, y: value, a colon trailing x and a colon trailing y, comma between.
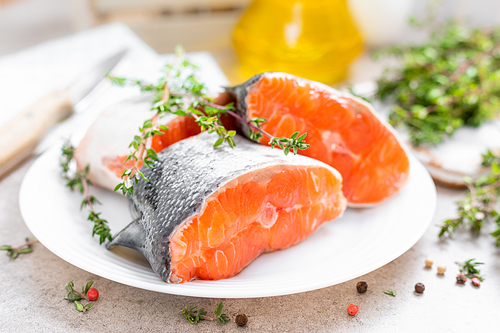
x: 476, y: 282
x: 352, y: 309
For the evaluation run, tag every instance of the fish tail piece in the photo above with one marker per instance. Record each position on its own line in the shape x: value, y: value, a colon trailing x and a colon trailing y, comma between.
x: 132, y: 236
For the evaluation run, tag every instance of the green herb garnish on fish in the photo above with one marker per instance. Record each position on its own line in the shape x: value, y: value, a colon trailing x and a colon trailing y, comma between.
x: 181, y: 92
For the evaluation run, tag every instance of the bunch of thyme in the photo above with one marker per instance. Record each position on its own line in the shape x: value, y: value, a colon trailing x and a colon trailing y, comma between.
x: 194, y: 316
x: 78, y: 180
x: 480, y: 203
x: 451, y: 81
x: 180, y: 92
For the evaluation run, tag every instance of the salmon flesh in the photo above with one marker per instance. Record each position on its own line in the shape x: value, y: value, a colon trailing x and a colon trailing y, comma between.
x: 207, y: 213
x: 343, y: 131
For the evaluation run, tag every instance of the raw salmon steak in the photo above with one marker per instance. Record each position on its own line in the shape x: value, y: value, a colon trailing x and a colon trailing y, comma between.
x: 342, y: 130
x: 106, y: 143
x: 207, y: 213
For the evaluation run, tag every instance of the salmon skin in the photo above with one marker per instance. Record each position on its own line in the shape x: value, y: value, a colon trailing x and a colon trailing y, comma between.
x: 207, y: 213
x: 342, y: 130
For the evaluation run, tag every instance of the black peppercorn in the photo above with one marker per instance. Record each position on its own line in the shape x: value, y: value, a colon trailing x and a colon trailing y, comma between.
x: 419, y: 288
x: 461, y: 279
x: 361, y: 287
x: 241, y: 319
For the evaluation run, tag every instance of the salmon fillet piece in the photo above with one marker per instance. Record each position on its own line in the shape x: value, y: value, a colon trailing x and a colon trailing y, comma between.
x: 342, y: 130
x: 260, y: 212
x: 207, y: 213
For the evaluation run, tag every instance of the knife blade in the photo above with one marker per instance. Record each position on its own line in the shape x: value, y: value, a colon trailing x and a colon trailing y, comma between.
x: 20, y: 135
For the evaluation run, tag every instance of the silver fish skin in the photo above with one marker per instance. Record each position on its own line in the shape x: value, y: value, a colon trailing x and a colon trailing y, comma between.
x: 239, y: 95
x: 185, y: 175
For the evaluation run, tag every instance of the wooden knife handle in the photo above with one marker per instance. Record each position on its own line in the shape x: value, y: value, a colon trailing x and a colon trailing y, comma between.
x: 20, y: 135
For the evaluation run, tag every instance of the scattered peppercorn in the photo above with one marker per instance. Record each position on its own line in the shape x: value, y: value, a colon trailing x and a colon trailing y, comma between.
x: 428, y: 263
x: 461, y: 279
x: 352, y: 309
x: 419, y: 288
x: 241, y: 319
x: 93, y: 294
x: 476, y: 282
x: 361, y: 286
x: 441, y: 269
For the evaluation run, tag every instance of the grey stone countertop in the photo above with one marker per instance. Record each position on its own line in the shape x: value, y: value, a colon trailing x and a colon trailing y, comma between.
x: 33, y: 287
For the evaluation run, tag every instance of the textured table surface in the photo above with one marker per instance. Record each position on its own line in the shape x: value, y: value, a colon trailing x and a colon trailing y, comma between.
x: 33, y: 287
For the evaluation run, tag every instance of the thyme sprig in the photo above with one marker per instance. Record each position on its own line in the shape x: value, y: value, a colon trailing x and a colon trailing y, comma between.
x: 194, y: 316
x: 469, y: 269
x: 449, y: 82
x: 255, y: 132
x: 14, y: 252
x: 181, y: 92
x: 79, y: 181
x: 75, y: 296
x: 480, y: 204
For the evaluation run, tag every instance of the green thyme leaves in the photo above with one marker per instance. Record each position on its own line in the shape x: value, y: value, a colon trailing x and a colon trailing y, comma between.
x: 294, y: 143
x: 194, y: 315
x: 180, y: 92
x: 470, y: 269
x: 72, y: 294
x: 79, y: 181
x: 451, y: 81
x: 390, y: 293
x: 480, y: 204
x: 75, y: 296
x: 14, y: 252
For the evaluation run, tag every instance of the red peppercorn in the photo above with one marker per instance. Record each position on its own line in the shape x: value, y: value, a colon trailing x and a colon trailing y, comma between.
x: 93, y: 294
x: 476, y: 282
x: 352, y: 309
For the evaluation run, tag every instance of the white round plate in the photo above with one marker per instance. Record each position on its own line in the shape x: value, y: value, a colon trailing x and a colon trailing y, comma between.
x: 362, y: 240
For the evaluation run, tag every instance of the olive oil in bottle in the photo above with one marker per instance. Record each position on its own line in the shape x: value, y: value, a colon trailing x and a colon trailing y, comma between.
x: 315, y: 39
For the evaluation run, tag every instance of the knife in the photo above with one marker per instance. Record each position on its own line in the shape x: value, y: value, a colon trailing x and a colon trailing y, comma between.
x: 21, y: 134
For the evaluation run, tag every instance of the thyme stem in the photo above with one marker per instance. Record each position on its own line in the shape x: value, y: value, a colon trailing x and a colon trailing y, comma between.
x: 80, y: 294
x: 470, y: 62
x: 249, y: 124
x: 194, y: 314
x: 479, y: 204
x: 14, y: 252
x: 81, y: 182
x: 16, y: 249
x: 86, y: 194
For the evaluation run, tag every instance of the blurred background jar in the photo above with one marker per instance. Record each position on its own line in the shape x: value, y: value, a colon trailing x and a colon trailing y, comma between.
x: 381, y: 22
x: 315, y: 39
